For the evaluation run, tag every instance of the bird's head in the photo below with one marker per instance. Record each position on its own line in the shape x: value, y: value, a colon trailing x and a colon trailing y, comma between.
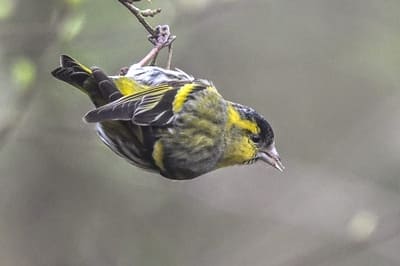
x: 249, y: 138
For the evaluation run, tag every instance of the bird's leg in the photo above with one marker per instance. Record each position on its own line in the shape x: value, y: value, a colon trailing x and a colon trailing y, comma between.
x: 152, y: 55
x: 161, y: 39
x: 169, y: 56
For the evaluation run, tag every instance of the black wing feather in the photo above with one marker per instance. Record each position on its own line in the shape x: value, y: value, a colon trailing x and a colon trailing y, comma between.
x: 153, y: 107
x: 160, y: 114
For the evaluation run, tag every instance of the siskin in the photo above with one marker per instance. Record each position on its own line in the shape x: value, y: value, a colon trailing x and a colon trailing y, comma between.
x: 169, y: 122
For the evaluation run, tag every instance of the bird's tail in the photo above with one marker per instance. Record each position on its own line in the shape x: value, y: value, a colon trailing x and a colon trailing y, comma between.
x: 72, y: 72
x: 92, y: 81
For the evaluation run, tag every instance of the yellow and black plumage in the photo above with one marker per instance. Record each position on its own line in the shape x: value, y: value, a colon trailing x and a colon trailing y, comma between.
x: 169, y: 122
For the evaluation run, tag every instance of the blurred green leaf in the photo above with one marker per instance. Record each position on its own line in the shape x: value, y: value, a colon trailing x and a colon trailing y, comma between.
x: 23, y: 72
x: 72, y: 27
x: 7, y: 9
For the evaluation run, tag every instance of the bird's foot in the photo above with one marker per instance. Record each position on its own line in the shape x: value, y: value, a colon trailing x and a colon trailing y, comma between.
x: 162, y: 38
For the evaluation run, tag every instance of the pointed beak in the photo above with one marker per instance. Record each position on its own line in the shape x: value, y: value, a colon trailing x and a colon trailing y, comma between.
x: 271, y: 157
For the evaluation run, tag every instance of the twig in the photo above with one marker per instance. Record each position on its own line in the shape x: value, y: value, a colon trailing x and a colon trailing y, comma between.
x: 141, y: 14
x: 160, y: 36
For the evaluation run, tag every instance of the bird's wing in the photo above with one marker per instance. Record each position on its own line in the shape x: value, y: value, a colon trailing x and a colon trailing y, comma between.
x: 151, y: 107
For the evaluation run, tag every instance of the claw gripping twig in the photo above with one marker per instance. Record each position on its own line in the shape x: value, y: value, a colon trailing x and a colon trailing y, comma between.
x: 160, y: 36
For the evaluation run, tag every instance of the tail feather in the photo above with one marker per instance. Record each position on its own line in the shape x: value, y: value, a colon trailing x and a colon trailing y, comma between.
x: 92, y: 81
x: 72, y: 72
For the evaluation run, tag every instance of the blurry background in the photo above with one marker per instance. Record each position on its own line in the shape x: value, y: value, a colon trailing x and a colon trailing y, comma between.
x: 324, y: 73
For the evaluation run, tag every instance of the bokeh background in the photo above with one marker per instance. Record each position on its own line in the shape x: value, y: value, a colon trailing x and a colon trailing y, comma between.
x: 325, y: 74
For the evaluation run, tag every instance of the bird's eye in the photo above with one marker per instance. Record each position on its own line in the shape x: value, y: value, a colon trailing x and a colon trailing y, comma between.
x: 255, y: 138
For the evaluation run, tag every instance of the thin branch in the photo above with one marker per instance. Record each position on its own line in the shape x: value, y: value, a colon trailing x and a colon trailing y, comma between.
x: 141, y: 14
x: 150, y: 12
x: 160, y: 36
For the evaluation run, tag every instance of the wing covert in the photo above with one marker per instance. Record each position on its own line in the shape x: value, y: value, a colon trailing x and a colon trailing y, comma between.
x: 151, y: 107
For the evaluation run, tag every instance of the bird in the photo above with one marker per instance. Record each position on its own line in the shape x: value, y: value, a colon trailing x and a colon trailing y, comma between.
x: 169, y: 122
